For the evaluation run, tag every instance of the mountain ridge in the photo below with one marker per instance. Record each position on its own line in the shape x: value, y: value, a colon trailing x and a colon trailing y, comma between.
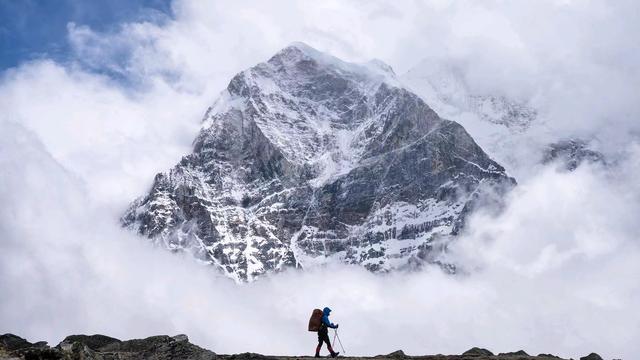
x: 99, y: 347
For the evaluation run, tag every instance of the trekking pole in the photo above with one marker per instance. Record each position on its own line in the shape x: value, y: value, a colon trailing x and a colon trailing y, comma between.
x: 339, y: 341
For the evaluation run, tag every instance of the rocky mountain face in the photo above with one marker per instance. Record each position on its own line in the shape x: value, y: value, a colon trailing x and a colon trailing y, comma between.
x: 502, y: 126
x: 306, y: 159
x: 445, y: 89
x: 161, y: 347
x: 570, y: 153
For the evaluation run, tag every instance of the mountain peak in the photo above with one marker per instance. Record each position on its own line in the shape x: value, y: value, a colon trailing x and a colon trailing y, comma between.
x: 298, y: 51
x: 308, y: 159
x: 303, y: 47
x: 299, y: 54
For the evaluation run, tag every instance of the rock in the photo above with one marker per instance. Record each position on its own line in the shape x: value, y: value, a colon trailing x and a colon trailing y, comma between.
x: 100, y: 347
x: 162, y: 347
x: 15, y: 347
x: 65, y: 346
x: 247, y: 356
x: 181, y: 338
x: 515, y: 353
x: 13, y: 342
x: 42, y: 354
x: 571, y: 153
x: 94, y: 342
x: 592, y: 356
x: 81, y: 351
x: 306, y: 159
x: 399, y: 354
x: 549, y: 356
x: 475, y: 351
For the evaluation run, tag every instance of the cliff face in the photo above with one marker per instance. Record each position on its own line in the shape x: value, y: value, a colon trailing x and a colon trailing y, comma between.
x: 101, y: 347
x: 306, y: 159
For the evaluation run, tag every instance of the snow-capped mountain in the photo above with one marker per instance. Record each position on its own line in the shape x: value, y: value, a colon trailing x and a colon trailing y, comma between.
x: 306, y: 159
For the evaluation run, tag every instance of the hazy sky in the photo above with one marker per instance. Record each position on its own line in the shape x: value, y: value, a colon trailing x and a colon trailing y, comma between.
x: 97, y: 99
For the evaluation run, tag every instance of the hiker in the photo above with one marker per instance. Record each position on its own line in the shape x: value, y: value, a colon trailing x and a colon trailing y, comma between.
x: 323, y: 333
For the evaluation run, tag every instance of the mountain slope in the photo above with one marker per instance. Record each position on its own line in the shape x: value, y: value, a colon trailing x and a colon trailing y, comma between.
x: 507, y: 129
x: 306, y: 159
x: 445, y: 88
x: 511, y: 131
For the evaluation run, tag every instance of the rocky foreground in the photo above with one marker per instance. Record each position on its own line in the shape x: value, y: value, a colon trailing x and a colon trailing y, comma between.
x: 101, y: 347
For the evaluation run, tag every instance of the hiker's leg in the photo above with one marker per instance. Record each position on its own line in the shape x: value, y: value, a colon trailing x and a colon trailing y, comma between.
x: 320, y: 340
x: 326, y: 340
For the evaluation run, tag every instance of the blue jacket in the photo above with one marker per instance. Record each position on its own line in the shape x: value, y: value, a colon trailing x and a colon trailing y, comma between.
x: 325, y: 318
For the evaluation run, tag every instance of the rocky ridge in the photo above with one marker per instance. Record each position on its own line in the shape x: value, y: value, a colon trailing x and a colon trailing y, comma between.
x: 161, y: 347
x: 101, y: 347
x: 571, y: 153
x: 306, y: 159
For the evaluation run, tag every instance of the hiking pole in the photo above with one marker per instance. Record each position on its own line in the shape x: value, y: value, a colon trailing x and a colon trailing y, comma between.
x: 339, y: 341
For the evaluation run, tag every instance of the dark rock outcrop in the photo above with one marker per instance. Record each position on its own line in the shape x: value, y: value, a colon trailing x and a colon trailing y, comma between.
x: 12, y: 342
x: 571, y: 153
x: 476, y: 351
x: 247, y: 356
x: 398, y: 354
x: 94, y: 342
x: 592, y: 356
x: 100, y: 347
x: 514, y: 353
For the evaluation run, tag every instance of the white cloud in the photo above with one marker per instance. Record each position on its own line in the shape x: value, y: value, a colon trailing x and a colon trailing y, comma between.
x: 553, y: 273
x: 114, y: 139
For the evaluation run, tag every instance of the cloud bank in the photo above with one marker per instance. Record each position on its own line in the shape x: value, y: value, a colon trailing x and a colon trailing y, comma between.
x: 555, y: 272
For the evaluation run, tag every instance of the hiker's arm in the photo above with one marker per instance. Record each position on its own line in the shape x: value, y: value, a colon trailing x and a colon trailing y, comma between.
x: 326, y: 321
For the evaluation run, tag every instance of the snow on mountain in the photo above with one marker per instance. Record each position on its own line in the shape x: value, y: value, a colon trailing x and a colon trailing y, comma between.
x: 499, y: 124
x: 512, y: 132
x: 306, y: 159
x: 445, y: 88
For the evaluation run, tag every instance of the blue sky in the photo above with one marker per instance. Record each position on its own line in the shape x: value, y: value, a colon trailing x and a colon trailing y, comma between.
x: 38, y: 28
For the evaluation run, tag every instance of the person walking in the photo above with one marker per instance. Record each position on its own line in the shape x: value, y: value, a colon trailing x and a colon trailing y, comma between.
x: 323, y: 333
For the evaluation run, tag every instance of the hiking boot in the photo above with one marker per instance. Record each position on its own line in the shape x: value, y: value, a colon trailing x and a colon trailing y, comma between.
x: 335, y: 354
x: 317, y: 355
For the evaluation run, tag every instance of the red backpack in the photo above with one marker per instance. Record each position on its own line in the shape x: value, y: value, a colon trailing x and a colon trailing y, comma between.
x: 316, y: 320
